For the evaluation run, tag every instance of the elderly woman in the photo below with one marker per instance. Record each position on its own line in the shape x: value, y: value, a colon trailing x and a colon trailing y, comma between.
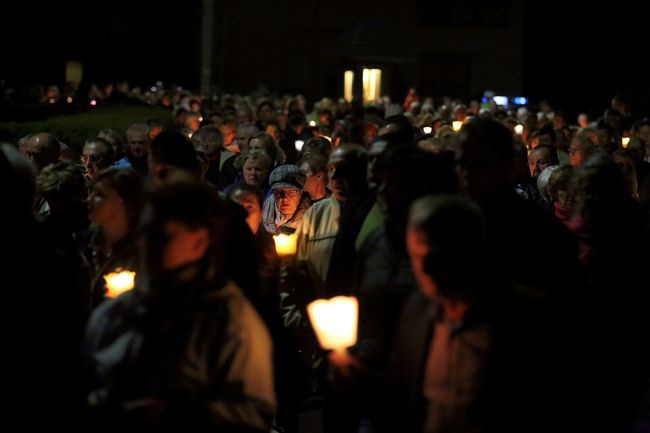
x: 284, y: 209
x: 255, y: 167
x: 265, y: 142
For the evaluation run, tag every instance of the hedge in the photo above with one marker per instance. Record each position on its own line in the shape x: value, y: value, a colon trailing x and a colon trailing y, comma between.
x: 74, y: 129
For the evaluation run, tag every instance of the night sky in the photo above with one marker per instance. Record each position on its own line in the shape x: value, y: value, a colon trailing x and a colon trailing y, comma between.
x: 576, y: 55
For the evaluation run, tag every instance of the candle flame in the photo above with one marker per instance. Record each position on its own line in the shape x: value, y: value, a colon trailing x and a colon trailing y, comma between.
x: 119, y: 282
x: 335, y: 321
x: 285, y: 245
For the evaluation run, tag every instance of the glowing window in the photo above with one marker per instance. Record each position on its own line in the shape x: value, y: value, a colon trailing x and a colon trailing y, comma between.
x: 371, y: 85
x: 348, y: 82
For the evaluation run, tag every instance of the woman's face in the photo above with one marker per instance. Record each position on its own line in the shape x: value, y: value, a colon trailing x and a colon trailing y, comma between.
x: 251, y: 203
x: 255, y: 172
x: 105, y: 205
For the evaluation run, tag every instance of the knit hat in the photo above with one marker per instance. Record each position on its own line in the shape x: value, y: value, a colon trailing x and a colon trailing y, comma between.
x: 287, y: 176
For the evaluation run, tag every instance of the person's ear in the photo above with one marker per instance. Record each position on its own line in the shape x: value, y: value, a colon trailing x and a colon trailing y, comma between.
x: 201, y: 242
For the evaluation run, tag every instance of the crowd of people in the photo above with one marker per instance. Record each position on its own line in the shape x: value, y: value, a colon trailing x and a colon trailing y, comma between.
x: 498, y: 257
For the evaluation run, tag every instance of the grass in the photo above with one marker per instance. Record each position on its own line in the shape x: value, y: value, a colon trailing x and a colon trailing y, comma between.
x: 74, y: 129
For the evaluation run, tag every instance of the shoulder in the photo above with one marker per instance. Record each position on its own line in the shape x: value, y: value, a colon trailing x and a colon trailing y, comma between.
x: 240, y: 316
x: 108, y: 319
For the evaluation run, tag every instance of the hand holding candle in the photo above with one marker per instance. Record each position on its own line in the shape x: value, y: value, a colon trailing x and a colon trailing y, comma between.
x: 119, y: 282
x: 285, y: 245
x: 335, y: 322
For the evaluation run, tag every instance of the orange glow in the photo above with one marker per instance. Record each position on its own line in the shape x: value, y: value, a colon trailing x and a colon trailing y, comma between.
x: 335, y: 321
x: 285, y: 245
x: 119, y: 282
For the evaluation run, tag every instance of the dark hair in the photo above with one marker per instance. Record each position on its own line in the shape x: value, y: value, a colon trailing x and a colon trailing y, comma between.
x: 263, y: 104
x: 128, y: 184
x: 316, y: 162
x: 490, y: 136
x: 184, y: 199
x: 319, y: 145
x: 175, y: 149
x: 208, y: 137
x: 454, y: 228
x: 268, y: 143
x: 244, y: 188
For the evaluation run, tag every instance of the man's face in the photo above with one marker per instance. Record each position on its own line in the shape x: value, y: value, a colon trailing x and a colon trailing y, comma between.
x: 154, y: 131
x: 229, y: 134
x: 88, y: 157
x: 345, y: 174
x: 138, y: 143
x: 311, y: 179
x: 243, y: 137
x: 287, y: 200
x: 538, y: 160
x: 34, y: 150
x: 417, y: 250
x: 184, y: 245
x: 480, y: 174
x: 272, y: 130
x: 266, y: 113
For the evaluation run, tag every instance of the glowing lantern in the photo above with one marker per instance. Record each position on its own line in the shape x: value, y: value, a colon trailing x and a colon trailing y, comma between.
x: 456, y: 125
x: 285, y: 245
x: 625, y: 141
x: 519, y: 129
x: 335, y: 321
x: 119, y: 282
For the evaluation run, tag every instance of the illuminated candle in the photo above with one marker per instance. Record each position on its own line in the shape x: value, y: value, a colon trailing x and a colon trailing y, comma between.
x: 285, y: 245
x: 299, y: 144
x: 335, y: 322
x: 312, y: 123
x: 456, y: 125
x: 625, y: 141
x: 519, y: 129
x: 119, y: 282
x: 427, y: 129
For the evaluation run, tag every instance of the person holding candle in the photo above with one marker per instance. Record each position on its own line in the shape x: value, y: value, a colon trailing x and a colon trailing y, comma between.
x: 287, y: 205
x: 185, y: 350
x: 114, y: 203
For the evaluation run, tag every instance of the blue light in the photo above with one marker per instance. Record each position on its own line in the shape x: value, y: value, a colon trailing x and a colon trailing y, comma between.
x: 520, y: 100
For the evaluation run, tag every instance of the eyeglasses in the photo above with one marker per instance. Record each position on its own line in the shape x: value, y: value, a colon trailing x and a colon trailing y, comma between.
x: 291, y: 193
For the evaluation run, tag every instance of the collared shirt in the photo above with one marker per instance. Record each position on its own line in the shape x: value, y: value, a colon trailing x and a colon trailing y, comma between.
x: 454, y: 376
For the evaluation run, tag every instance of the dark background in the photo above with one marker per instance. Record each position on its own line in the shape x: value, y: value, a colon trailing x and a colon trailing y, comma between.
x: 576, y: 55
